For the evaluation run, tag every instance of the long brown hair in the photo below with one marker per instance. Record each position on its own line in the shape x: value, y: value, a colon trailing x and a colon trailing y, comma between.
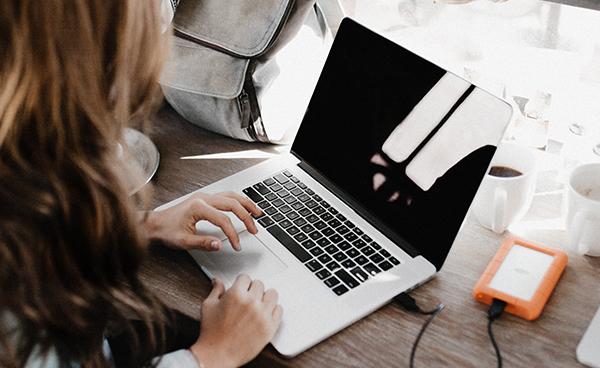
x: 73, y: 74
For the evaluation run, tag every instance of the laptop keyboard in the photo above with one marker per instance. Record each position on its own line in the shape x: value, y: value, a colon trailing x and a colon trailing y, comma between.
x: 334, y: 249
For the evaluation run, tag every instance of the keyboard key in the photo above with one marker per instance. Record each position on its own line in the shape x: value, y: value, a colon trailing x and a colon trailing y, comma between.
x: 350, y: 236
x: 394, y: 261
x: 348, y: 263
x: 324, y: 258
x: 341, y: 217
x: 302, y: 185
x: 278, y: 217
x: 296, y: 192
x: 331, y: 248
x: 307, y: 228
x: 332, y: 266
x: 278, y: 203
x: 289, y: 243
x: 340, y: 256
x: 326, y: 216
x: 371, y: 269
x: 358, y: 231
x: 349, y: 224
x: 252, y: 194
x: 310, y: 203
x: 261, y: 188
x: 271, y: 196
x: 343, y: 245
x: 367, y: 238
x: 285, y: 209
x: 316, y: 251
x: 375, y: 246
x: 285, y: 223
x: 318, y: 210
x: 276, y: 187
x: 287, y: 173
x: 361, y: 275
x: 340, y: 290
x: 323, y: 274
x: 385, y: 265
x: 347, y: 279
x: 328, y: 231
x: 296, y: 205
x: 333, y: 210
x: 271, y: 210
x: 263, y: 204
x: 361, y: 260
x: 283, y: 193
x: 293, y: 230
x: 323, y: 242
x: 294, y: 179
x: 289, y: 185
x: 353, y: 252
x: 385, y: 253
x: 320, y: 225
x: 292, y: 215
x: 334, y: 223
x: 281, y: 179
x: 312, y: 218
x: 332, y: 281
x: 309, y: 191
x: 269, y: 181
x: 336, y: 238
x: 315, y: 235
x: 376, y: 258
x: 359, y: 243
x: 300, y: 237
x: 314, y: 265
x: 342, y: 230
x: 300, y: 222
x: 325, y: 204
x: 308, y: 244
x: 367, y: 251
x: 303, y: 197
x: 304, y: 212
x: 265, y: 221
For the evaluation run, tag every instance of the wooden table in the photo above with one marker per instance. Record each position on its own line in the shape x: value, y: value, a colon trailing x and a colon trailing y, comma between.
x: 457, y: 337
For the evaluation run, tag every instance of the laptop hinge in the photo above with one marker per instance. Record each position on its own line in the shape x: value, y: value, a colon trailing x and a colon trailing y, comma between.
x: 358, y: 208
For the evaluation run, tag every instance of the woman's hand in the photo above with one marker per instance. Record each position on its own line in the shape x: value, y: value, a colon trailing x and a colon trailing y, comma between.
x: 176, y: 225
x: 236, y: 324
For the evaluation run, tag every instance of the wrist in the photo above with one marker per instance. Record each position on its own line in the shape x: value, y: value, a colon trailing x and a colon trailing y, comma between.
x: 209, y: 356
x: 151, y: 225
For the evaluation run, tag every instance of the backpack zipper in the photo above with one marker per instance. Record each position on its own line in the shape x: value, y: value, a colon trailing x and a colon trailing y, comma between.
x: 245, y: 109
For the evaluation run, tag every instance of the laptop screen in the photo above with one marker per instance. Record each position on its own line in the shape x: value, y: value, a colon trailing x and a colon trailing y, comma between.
x: 401, y: 137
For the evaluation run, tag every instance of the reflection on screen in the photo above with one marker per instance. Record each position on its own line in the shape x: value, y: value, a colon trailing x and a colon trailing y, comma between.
x: 401, y: 136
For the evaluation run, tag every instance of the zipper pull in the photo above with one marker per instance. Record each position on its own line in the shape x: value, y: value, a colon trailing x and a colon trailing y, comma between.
x: 244, y: 102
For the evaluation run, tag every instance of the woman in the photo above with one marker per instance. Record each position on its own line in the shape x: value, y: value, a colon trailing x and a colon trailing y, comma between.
x: 73, y: 74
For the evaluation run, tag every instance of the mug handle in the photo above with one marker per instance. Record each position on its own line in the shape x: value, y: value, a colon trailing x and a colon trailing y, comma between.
x: 499, y: 208
x: 578, y: 227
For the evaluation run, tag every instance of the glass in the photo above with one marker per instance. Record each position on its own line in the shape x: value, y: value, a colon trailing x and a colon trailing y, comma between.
x: 141, y: 158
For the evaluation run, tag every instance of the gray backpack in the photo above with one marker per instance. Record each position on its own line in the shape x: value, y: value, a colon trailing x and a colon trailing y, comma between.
x: 224, y: 60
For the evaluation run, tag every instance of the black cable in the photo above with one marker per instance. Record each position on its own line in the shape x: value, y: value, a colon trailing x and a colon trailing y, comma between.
x: 410, y: 304
x: 494, y: 312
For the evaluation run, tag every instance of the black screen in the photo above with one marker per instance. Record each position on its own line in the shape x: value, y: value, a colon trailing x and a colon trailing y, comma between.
x: 368, y: 86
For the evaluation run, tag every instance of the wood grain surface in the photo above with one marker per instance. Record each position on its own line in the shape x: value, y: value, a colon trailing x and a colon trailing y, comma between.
x: 457, y: 337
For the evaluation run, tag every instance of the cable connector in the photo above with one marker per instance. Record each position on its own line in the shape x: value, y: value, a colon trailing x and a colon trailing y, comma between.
x: 407, y: 302
x: 495, y: 311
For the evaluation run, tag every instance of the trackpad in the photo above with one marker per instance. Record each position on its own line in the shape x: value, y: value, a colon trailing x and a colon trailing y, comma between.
x: 255, y: 260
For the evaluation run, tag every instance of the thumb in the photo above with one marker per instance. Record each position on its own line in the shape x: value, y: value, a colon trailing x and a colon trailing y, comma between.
x: 217, y: 290
x: 203, y: 242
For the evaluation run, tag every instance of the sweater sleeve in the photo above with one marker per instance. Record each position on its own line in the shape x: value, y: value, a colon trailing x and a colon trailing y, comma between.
x: 178, y: 359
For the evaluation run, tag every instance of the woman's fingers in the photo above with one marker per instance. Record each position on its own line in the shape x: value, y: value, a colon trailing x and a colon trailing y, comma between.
x: 221, y: 220
x: 270, y: 297
x: 217, y: 290
x: 277, y: 314
x: 227, y: 203
x: 245, y: 201
x: 242, y: 283
x: 204, y: 242
x: 257, y: 289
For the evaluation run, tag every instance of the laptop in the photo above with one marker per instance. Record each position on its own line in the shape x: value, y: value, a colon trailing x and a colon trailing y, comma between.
x: 388, y: 157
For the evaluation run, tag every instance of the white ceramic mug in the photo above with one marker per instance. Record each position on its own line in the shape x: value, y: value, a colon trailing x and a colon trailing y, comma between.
x: 583, y: 210
x: 502, y: 201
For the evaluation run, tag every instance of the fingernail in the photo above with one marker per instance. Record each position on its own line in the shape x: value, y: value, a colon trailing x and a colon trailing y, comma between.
x: 214, y: 245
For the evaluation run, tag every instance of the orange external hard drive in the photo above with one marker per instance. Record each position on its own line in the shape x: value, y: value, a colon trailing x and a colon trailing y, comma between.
x: 523, y: 275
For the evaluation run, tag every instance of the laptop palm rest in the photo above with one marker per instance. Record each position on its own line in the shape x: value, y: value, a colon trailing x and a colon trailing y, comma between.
x: 255, y: 260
